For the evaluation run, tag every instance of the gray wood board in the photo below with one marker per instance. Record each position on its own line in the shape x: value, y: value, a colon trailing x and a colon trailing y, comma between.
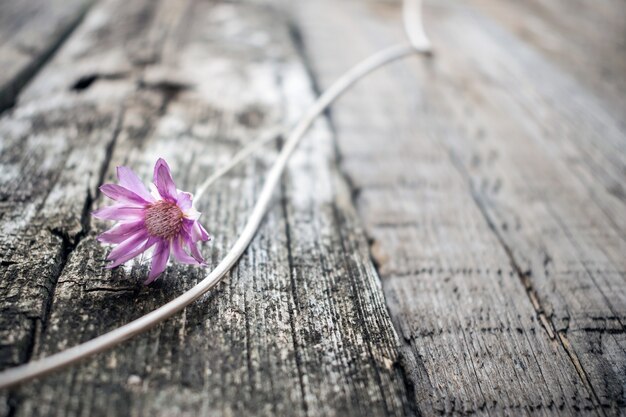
x: 489, y: 181
x: 584, y: 38
x: 299, y: 327
x: 30, y: 32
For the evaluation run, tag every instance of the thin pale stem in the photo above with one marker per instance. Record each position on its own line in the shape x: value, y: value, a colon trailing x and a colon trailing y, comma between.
x: 414, y: 30
x: 414, y: 26
x: 41, y: 367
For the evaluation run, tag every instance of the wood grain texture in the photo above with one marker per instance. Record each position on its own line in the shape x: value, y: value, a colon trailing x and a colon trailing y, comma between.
x: 299, y: 327
x: 30, y: 32
x: 488, y: 180
x: 584, y: 38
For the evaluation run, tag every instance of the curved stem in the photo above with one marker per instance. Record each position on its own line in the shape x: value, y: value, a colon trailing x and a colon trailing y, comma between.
x: 414, y: 26
x: 41, y: 367
x: 414, y: 30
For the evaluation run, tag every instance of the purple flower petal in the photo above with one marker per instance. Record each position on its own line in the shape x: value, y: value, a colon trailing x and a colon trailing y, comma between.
x: 187, y: 226
x: 195, y: 230
x: 129, y: 180
x: 121, y: 232
x: 131, y: 243
x: 140, y: 219
x: 198, y: 233
x: 159, y: 260
x: 184, y: 200
x: 180, y: 254
x: 121, y: 194
x: 119, y: 212
x: 163, y: 181
x: 195, y: 252
x: 133, y: 253
x: 192, y: 246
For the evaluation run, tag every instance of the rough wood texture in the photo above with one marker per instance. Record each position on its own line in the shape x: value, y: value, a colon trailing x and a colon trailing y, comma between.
x: 30, y: 32
x: 489, y: 180
x: 298, y: 328
x: 490, y: 183
x: 588, y: 44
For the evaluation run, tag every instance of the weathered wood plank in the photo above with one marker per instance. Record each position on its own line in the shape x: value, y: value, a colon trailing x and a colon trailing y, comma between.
x: 588, y: 136
x: 484, y: 335
x: 584, y: 37
x: 300, y: 326
x: 563, y: 231
x: 53, y: 153
x: 30, y: 32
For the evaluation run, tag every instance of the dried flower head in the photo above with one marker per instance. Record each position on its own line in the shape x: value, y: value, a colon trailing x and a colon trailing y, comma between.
x: 163, y: 219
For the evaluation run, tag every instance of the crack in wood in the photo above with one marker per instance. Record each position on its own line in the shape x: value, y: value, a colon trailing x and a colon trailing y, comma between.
x: 68, y: 246
x: 301, y: 48
x: 524, y: 277
x: 86, y: 81
x: 11, y: 89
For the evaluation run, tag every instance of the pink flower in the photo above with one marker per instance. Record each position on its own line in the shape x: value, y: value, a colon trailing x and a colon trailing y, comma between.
x: 164, y: 220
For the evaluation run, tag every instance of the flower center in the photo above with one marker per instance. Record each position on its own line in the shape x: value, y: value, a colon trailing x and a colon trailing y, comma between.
x: 164, y: 219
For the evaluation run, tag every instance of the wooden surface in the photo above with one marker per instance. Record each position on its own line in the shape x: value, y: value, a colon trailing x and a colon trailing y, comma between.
x: 491, y: 183
x: 30, y: 32
x: 449, y: 239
